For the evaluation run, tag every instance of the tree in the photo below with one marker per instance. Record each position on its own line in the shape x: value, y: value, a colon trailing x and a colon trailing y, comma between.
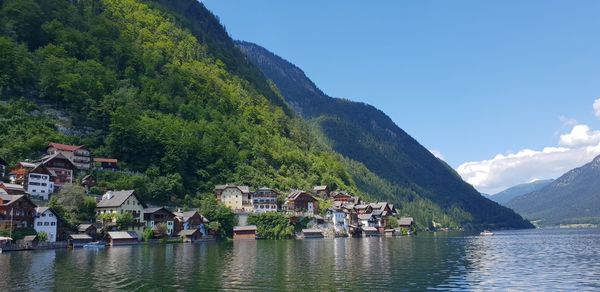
x: 148, y: 234
x: 272, y: 225
x: 215, y: 212
x: 160, y: 230
x: 42, y: 236
x: 392, y: 222
x: 124, y: 220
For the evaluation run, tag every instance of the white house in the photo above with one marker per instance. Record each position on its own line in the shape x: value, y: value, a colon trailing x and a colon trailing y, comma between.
x: 47, y: 221
x: 39, y: 182
x: 237, y: 198
x: 119, y: 202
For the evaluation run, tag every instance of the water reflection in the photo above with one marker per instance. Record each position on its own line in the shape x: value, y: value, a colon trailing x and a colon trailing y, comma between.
x: 529, y: 260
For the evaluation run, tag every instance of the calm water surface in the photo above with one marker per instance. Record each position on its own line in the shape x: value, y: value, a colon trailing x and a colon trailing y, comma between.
x: 559, y: 259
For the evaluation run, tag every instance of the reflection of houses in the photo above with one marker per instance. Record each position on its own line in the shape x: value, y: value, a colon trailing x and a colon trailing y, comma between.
x: 244, y: 232
x: 121, y: 238
x: 16, y: 210
x: 265, y: 200
x: 78, y: 155
x: 321, y: 191
x: 155, y: 216
x: 237, y: 198
x: 191, y: 220
x: 106, y: 163
x: 47, y: 220
x: 300, y: 201
x: 119, y: 202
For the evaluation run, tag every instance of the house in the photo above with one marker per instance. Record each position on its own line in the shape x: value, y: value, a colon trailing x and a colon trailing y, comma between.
x: 264, y: 200
x: 300, y: 201
x: 341, y: 197
x: 370, y: 231
x: 115, y: 238
x: 390, y: 232
x: 29, y: 241
x: 321, y: 191
x: 312, y: 233
x: 340, y: 218
x: 78, y: 240
x: 47, y: 220
x: 157, y: 215
x: 244, y: 232
x: 191, y: 220
x: 119, y: 202
x: 40, y: 182
x: 363, y: 209
x: 78, y: 155
x: 3, y: 168
x: 16, y: 212
x: 12, y: 189
x: 88, y: 181
x: 190, y: 235
x: 61, y: 167
x: 406, y: 223
x: 237, y: 198
x: 88, y: 229
x: 106, y: 163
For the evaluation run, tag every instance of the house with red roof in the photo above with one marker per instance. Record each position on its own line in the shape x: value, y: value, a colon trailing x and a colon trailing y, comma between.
x: 78, y: 155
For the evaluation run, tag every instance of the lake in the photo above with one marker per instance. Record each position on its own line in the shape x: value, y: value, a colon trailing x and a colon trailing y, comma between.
x: 545, y: 259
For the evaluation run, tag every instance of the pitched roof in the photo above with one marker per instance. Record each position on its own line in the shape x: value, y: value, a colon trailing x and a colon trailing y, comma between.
x: 9, y: 199
x: 122, y: 235
x: 117, y: 198
x: 156, y: 209
x: 56, y: 155
x: 369, y: 229
x: 294, y: 194
x: 185, y: 216
x: 319, y: 188
x: 187, y: 232
x: 245, y: 228
x: 30, y: 238
x: 64, y: 147
x: 13, y: 186
x: 80, y: 236
x: 84, y: 227
x: 243, y: 189
x: 365, y: 216
x: 41, y: 210
x: 406, y: 221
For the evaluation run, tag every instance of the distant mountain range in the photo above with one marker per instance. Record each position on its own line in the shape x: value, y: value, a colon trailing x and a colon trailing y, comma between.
x: 364, y: 133
x: 518, y: 190
x: 571, y: 199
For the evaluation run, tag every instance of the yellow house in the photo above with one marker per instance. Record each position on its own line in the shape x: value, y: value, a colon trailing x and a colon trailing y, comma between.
x: 119, y: 202
x: 237, y: 198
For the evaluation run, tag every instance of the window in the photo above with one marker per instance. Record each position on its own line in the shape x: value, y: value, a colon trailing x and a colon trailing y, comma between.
x: 52, y: 223
x: 39, y: 223
x: 46, y: 224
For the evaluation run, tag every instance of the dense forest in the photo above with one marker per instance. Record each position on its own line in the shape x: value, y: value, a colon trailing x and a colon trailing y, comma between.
x: 161, y: 86
x: 365, y: 134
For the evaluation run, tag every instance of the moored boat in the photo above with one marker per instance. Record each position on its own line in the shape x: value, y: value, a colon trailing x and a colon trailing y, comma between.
x: 486, y: 233
x: 95, y: 244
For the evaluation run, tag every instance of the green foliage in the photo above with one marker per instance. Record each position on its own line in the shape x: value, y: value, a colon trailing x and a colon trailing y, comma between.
x: 392, y: 222
x: 221, y: 218
x: 73, y: 205
x: 272, y: 225
x: 124, y: 220
x: 148, y: 234
x: 323, y: 205
x: 42, y: 236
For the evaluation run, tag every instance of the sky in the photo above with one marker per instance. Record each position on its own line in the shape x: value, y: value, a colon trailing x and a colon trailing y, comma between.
x: 504, y: 91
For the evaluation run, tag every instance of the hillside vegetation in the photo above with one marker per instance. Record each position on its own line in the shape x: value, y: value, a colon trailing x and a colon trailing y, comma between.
x: 161, y: 86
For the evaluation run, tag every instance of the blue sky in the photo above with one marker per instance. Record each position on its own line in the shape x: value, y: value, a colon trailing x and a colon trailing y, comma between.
x: 471, y: 79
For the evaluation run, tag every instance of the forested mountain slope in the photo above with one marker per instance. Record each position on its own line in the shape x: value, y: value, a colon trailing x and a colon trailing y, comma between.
x: 365, y: 134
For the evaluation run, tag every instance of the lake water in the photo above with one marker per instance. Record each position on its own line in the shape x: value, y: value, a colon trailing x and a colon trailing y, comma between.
x: 551, y: 259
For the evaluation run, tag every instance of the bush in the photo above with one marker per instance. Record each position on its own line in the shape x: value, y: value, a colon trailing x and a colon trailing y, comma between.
x: 148, y: 234
x: 42, y: 236
x: 272, y: 225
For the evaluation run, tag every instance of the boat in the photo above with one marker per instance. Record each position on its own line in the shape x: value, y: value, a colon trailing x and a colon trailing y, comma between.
x: 486, y: 233
x: 95, y: 244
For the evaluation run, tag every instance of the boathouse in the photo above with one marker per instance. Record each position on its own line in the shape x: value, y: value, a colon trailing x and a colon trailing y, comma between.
x: 244, y: 232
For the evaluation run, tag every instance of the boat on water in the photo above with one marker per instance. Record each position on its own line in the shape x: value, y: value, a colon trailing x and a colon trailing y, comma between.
x: 486, y: 233
x: 95, y: 244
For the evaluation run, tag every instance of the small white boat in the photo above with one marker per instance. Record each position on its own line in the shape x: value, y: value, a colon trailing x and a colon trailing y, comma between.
x: 486, y: 233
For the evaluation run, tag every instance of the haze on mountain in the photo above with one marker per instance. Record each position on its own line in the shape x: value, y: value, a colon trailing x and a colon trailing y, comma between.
x: 573, y: 198
x: 518, y: 190
x: 366, y: 134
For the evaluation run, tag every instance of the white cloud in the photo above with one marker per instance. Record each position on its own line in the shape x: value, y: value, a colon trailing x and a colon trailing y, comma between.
x: 504, y: 171
x: 580, y: 135
x: 437, y: 153
x: 576, y: 148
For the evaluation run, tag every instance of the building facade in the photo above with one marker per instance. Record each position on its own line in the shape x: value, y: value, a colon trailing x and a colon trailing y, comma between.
x: 237, y: 198
x: 78, y: 155
x: 48, y: 221
x: 119, y: 202
x: 264, y: 200
x: 16, y: 212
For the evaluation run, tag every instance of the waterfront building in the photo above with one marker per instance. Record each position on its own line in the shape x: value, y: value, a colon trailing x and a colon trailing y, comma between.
x: 119, y: 202
x: 300, y: 201
x: 244, y: 232
x: 160, y: 215
x: 48, y: 221
x: 115, y: 238
x: 191, y: 220
x: 237, y: 198
x: 265, y: 200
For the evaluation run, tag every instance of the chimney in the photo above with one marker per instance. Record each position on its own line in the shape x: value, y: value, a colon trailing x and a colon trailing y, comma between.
x: 107, y: 196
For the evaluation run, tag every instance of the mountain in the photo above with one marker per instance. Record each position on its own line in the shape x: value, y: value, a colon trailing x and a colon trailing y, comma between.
x: 363, y: 133
x: 571, y: 199
x: 518, y: 190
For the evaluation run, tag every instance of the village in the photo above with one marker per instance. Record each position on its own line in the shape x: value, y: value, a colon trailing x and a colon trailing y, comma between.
x: 123, y: 218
